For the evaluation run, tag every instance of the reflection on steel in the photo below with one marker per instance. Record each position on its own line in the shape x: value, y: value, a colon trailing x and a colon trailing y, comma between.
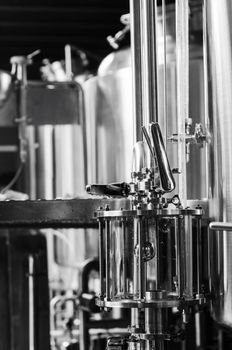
x: 76, y: 213
x: 141, y: 157
x: 220, y: 226
x: 157, y: 284
x: 5, y: 86
x: 218, y: 84
x: 167, y: 181
x: 136, y: 66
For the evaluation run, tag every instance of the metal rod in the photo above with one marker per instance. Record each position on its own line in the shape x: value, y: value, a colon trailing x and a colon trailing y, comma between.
x: 31, y: 302
x: 165, y: 70
x: 8, y: 148
x: 188, y: 246
x: 107, y: 260
x: 135, y: 265
x: 136, y: 53
x: 149, y: 61
x: 158, y: 275
x: 182, y: 71
x: 199, y: 256
x: 178, y: 256
x: 68, y: 61
x: 101, y: 258
x: 124, y: 269
x: 143, y: 16
x: 220, y: 226
x: 141, y: 263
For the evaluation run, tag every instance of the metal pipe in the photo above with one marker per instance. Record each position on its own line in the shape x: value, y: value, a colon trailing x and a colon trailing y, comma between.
x: 136, y: 65
x: 149, y: 61
x: 167, y: 182
x: 140, y: 262
x: 107, y: 260
x: 101, y: 258
x: 124, y: 262
x: 144, y: 64
x: 164, y: 70
x: 182, y: 71
x: 68, y: 61
x: 220, y: 226
x: 31, y: 302
x: 179, y: 281
x: 199, y: 256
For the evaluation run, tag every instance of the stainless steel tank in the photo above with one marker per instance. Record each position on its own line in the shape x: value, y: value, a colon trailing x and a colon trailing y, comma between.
x: 218, y: 49
x: 109, y: 114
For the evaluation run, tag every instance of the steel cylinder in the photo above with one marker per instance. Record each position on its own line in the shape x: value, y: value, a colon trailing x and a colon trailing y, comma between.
x: 148, y: 256
x: 218, y: 84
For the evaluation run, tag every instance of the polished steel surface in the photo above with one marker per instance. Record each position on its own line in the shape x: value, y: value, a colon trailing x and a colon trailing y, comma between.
x: 149, y: 59
x: 148, y: 213
x: 220, y: 226
x: 218, y: 61
x: 5, y: 85
x: 141, y: 157
x: 136, y: 67
x: 109, y: 127
x: 167, y: 182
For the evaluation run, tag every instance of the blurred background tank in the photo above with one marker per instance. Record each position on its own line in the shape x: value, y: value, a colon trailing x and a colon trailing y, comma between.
x: 57, y: 169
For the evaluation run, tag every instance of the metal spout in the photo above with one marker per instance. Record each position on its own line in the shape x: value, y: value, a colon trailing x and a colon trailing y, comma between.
x: 167, y: 182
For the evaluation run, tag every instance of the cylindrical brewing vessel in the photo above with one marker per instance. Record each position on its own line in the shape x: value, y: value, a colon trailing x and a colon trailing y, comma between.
x: 146, y: 251
x: 218, y: 60
x: 148, y: 260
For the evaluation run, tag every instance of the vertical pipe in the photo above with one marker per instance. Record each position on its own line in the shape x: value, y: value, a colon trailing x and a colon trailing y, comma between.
x: 199, y: 256
x: 107, y: 259
x: 144, y: 65
x: 136, y: 65
x: 19, y: 69
x: 32, y: 149
x: 182, y: 67
x: 101, y: 258
x: 188, y: 247
x: 135, y: 264
x: 149, y: 61
x: 31, y: 302
x: 178, y: 255
x: 157, y: 254
x: 141, y: 263
x: 68, y: 61
x: 124, y: 269
x: 165, y: 71
x: 169, y: 259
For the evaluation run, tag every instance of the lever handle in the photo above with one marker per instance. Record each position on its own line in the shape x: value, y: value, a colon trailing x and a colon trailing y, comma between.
x: 112, y: 190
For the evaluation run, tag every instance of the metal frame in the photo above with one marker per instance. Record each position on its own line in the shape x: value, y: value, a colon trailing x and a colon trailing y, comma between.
x: 60, y: 213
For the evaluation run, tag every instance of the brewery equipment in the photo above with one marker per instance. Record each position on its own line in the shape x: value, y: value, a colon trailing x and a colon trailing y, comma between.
x: 151, y: 255
x: 148, y: 262
x: 152, y: 130
x: 109, y: 107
